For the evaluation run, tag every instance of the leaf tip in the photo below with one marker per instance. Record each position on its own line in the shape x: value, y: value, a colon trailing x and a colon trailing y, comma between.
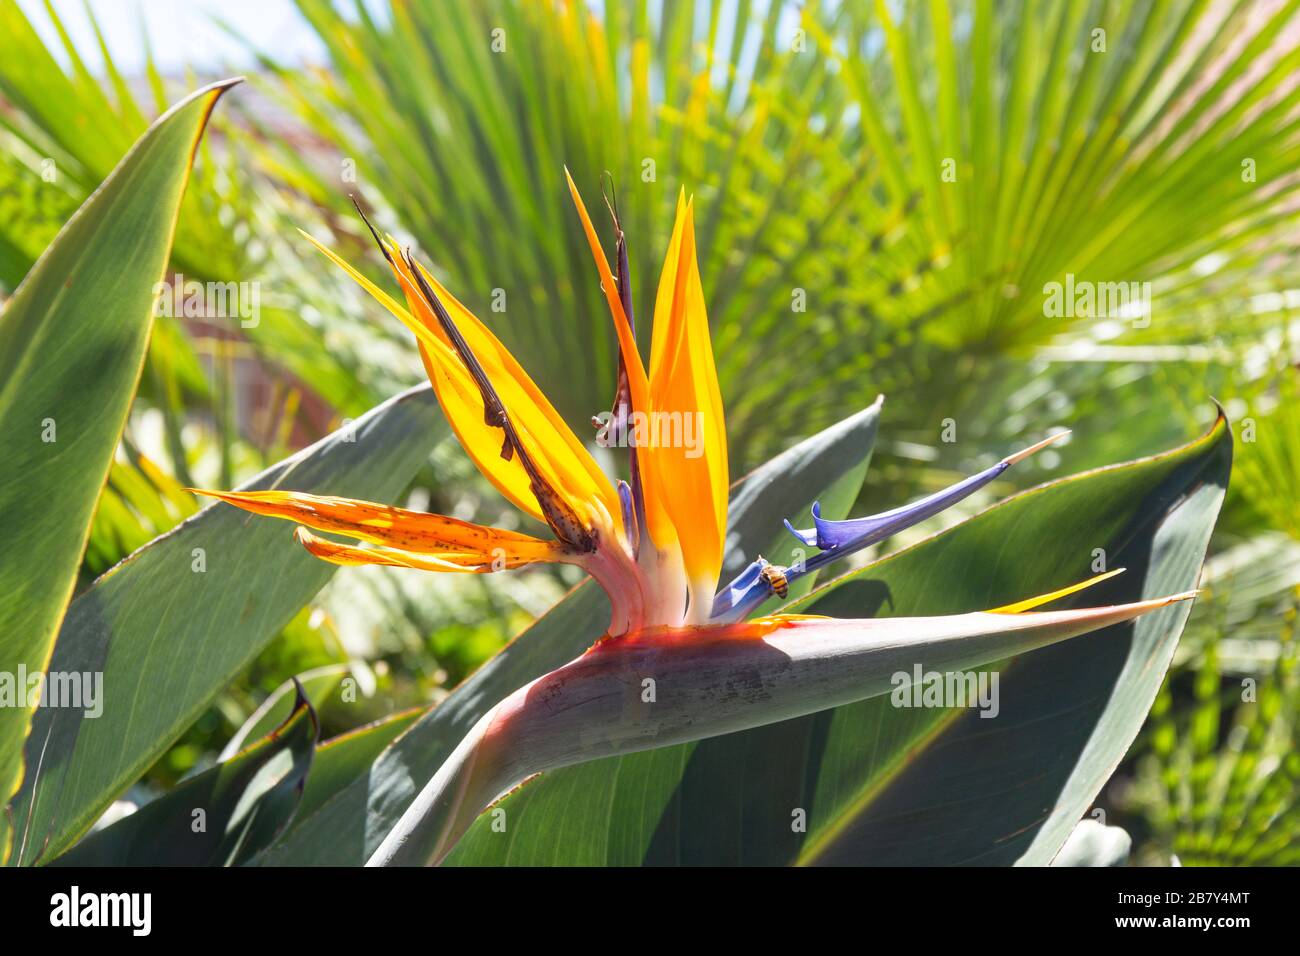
x: 1037, y: 446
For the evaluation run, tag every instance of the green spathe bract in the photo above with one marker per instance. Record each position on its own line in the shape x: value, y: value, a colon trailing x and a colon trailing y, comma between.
x: 714, y: 682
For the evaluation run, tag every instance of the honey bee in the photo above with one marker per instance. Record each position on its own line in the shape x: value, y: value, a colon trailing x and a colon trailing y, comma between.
x: 775, y: 578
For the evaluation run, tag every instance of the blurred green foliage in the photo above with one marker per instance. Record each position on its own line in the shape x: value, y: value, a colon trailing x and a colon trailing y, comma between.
x: 1219, y: 781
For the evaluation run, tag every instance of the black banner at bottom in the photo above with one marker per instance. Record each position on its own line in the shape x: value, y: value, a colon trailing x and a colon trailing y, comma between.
x: 338, y: 906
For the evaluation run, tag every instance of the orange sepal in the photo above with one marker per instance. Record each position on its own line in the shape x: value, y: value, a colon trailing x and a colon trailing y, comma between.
x: 396, y: 528
x: 687, y: 403
x: 349, y: 555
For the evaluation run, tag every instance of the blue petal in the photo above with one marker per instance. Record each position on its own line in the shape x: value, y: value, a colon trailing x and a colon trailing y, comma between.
x: 853, y: 534
x: 805, y: 537
x: 837, y: 539
x: 630, y: 524
x: 745, y: 591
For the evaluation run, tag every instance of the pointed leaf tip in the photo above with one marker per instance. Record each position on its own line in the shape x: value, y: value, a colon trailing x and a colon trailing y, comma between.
x: 1037, y: 446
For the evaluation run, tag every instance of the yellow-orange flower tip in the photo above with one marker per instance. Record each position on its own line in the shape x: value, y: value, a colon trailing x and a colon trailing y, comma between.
x: 1037, y: 446
x: 1041, y: 599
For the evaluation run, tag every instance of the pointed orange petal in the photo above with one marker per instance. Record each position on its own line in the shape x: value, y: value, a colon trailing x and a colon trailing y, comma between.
x: 554, y: 445
x: 395, y: 527
x: 350, y: 556
x: 463, y: 404
x: 658, y: 523
x: 560, y: 456
x: 457, y: 394
x: 626, y: 341
x: 691, y: 457
x: 662, y: 331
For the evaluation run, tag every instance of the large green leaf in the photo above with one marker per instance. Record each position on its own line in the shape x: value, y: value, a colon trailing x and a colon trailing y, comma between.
x: 223, y: 815
x: 83, y: 117
x: 72, y: 344
x: 168, y: 637
x: 348, y: 828
x: 879, y: 784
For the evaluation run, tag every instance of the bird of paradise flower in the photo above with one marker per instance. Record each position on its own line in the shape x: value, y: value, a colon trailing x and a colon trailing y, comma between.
x: 654, y: 543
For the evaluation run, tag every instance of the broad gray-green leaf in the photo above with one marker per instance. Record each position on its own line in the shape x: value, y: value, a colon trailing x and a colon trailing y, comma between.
x: 72, y: 344
x: 348, y: 829
x: 871, y: 783
x: 242, y: 804
x: 175, y: 622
